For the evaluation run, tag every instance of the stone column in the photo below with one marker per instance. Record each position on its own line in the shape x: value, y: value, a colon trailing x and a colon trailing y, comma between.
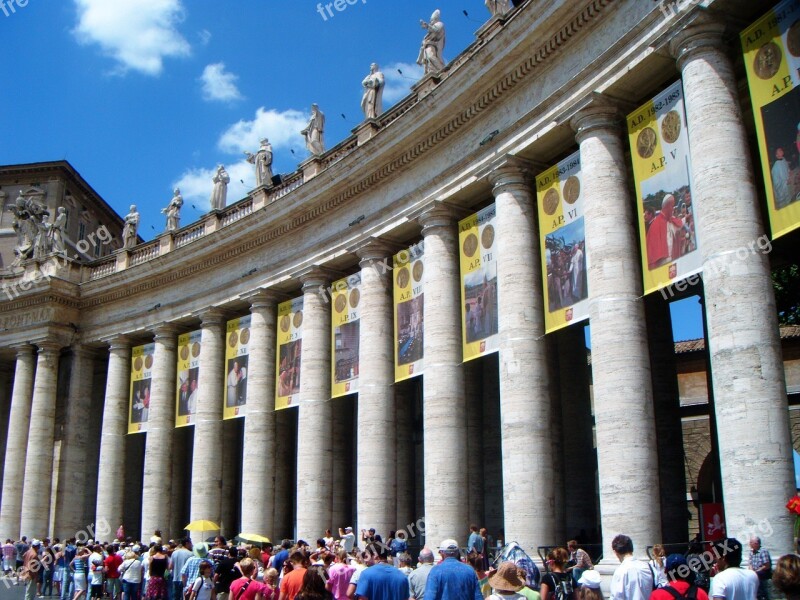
x: 6, y: 377
x: 73, y: 483
x: 314, y: 445
x: 35, y: 519
x: 376, y: 502
x: 207, y: 453
x: 444, y: 406
x: 17, y: 443
x: 111, y: 469
x: 623, y: 397
x: 258, y: 468
x: 157, y: 481
x: 525, y: 404
x: 744, y: 340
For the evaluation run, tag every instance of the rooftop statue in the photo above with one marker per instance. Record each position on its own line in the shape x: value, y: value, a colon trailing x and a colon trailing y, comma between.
x: 263, y: 163
x: 372, y: 101
x: 131, y: 228
x: 219, y: 195
x: 431, y: 52
x: 173, y: 211
x: 498, y: 8
x: 315, y: 131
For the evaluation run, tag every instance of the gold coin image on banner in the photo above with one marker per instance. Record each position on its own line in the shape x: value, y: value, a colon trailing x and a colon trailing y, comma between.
x: 671, y: 127
x: 646, y: 142
x: 245, y: 336
x: 793, y: 39
x: 470, y: 245
x: 487, y: 237
x: 355, y: 297
x: 402, y: 278
x: 298, y: 319
x: 137, y: 364
x: 418, y: 270
x: 195, y: 350
x: 767, y: 60
x: 572, y: 190
x: 550, y: 201
x: 148, y: 361
x: 184, y: 352
x: 233, y: 339
x: 285, y: 323
x: 340, y: 303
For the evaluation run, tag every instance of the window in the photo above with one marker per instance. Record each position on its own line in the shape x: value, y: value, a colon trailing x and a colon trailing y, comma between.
x: 81, y: 231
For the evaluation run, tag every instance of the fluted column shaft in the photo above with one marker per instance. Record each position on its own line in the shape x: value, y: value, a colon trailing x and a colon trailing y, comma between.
x: 157, y: 481
x: 755, y: 445
x: 206, y: 487
x: 35, y: 519
x: 17, y: 443
x: 376, y: 498
x: 258, y: 469
x: 623, y: 397
x: 527, y: 435
x: 444, y: 404
x: 314, y: 425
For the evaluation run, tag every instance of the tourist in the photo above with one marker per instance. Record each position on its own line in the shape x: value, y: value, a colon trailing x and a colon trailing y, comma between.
x: 328, y: 539
x: 9, y: 554
x: 731, y: 581
x: 580, y: 559
x: 130, y: 572
x: 451, y: 579
x: 280, y: 557
x: 156, y: 584
x: 476, y: 561
x: 30, y: 569
x: 557, y: 584
x: 339, y: 575
x: 112, y: 564
x: 347, y: 538
x: 760, y: 562
x: 191, y: 568
x: 219, y: 551
x: 203, y: 586
x: 506, y: 583
x: 398, y: 545
x: 680, y: 579
x: 405, y: 561
x: 589, y: 586
x: 48, y: 560
x: 58, y: 572
x: 293, y: 580
x: 527, y: 591
x: 271, y: 582
x: 176, y: 561
x: 67, y: 576
x: 225, y: 571
x: 80, y: 568
x: 658, y: 565
x: 474, y: 541
x: 633, y: 579
x: 313, y: 587
x: 786, y: 576
x: 246, y: 587
x: 359, y: 563
x: 381, y: 581
x: 419, y: 576
x: 20, y: 548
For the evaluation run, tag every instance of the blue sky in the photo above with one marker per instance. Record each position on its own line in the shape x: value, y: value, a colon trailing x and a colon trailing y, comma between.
x: 144, y: 95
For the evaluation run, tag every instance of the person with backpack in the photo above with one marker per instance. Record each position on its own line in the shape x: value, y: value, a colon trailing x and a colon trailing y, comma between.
x: 633, y: 579
x: 680, y: 580
x: 557, y: 584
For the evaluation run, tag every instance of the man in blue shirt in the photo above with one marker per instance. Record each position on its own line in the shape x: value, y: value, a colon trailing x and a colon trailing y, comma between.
x: 381, y: 581
x: 451, y: 579
x: 278, y: 559
x: 475, y: 541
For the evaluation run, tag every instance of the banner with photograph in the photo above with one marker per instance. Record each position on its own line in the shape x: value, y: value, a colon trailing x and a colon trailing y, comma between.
x: 289, y: 344
x: 345, y: 335
x: 478, y: 284
x: 409, y: 301
x: 771, y: 48
x: 563, y: 244
x: 141, y: 384
x: 236, y: 356
x: 662, y: 171
x: 188, y: 377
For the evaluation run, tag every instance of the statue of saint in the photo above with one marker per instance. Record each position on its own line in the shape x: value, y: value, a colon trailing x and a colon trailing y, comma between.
x: 219, y: 195
x: 173, y: 211
x: 263, y: 163
x: 56, y: 232
x: 498, y: 8
x: 315, y: 131
x: 430, y: 54
x: 131, y: 228
x: 372, y: 101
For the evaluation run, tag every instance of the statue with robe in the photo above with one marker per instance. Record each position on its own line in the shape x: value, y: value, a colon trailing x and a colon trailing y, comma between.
x: 263, y: 163
x: 219, y: 195
x: 432, y: 49
x: 131, y: 229
x: 173, y: 211
x: 315, y: 131
x: 372, y: 100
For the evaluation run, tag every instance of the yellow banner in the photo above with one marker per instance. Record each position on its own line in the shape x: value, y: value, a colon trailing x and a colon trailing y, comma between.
x: 562, y: 238
x: 188, y: 377
x: 289, y: 344
x: 771, y: 48
x: 478, y: 284
x: 141, y: 379
x: 345, y: 335
x: 236, y: 356
x: 662, y: 171
x: 409, y: 299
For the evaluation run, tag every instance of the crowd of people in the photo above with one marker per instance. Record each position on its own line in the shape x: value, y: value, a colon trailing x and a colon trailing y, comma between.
x: 343, y: 569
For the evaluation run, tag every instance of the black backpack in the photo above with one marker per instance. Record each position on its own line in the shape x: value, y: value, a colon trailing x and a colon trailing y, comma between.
x: 691, y: 593
x: 564, y: 588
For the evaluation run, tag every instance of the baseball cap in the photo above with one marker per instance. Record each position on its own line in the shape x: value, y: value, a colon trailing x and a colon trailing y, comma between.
x: 448, y: 545
x: 36, y: 543
x: 674, y: 561
x: 348, y: 529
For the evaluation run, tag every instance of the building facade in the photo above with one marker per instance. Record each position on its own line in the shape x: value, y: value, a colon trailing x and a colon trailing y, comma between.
x: 531, y: 440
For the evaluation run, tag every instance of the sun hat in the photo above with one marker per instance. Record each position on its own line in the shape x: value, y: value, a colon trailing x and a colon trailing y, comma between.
x: 506, y: 579
x: 590, y: 579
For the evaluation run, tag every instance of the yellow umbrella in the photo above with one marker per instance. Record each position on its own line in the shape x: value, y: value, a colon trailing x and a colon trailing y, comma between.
x: 202, y: 525
x: 254, y: 537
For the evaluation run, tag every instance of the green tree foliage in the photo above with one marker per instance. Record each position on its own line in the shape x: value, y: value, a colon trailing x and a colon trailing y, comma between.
x: 786, y: 281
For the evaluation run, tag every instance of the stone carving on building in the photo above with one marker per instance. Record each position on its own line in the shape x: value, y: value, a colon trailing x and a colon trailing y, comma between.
x: 372, y: 101
x: 315, y: 131
x: 263, y: 163
x: 173, y: 211
x: 31, y: 225
x: 498, y: 8
x: 131, y: 228
x: 219, y: 195
x: 56, y: 232
x: 431, y: 53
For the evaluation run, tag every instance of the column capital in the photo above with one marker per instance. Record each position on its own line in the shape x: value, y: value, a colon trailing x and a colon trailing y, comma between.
x: 699, y: 33
x: 79, y: 350
x: 511, y: 173
x: 436, y: 215
x: 166, y: 334
x: 118, y: 342
x: 211, y: 317
x: 373, y: 249
x: 262, y: 299
x: 596, y: 113
x: 49, y: 347
x: 24, y: 350
x: 315, y: 277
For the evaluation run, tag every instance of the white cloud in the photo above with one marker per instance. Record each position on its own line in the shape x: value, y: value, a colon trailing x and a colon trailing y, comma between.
x: 138, y: 34
x: 196, y: 184
x: 218, y: 84
x: 399, y: 86
x: 281, y: 127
